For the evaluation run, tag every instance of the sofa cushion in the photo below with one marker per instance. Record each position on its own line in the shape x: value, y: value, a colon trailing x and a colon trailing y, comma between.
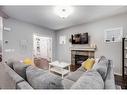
x: 67, y: 83
x: 102, y: 67
x: 74, y: 76
x: 81, y: 69
x: 23, y: 85
x: 42, y: 79
x: 20, y: 69
x: 46, y: 81
x: 32, y: 72
x: 89, y: 80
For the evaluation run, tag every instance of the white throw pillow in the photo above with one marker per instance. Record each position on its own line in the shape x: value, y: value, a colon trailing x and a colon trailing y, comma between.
x: 96, y: 60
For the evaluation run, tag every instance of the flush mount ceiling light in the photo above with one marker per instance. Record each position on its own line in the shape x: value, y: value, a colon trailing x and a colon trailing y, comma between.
x: 63, y: 11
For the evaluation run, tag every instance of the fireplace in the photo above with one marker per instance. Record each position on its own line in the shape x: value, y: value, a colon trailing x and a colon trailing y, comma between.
x: 79, y: 56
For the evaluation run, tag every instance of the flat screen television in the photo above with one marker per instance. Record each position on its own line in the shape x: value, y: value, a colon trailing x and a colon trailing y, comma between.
x: 80, y: 38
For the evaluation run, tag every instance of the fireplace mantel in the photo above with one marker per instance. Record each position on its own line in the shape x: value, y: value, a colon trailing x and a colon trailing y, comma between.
x: 83, y: 49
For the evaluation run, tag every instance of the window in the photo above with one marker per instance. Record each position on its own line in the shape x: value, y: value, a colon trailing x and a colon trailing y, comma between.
x: 114, y: 34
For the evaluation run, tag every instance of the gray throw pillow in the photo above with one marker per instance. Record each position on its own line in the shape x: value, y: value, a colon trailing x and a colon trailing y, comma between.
x: 20, y: 69
x: 89, y: 80
x: 109, y: 81
x: 102, y: 67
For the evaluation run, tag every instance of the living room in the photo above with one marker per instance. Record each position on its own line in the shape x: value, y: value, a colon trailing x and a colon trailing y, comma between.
x: 21, y: 24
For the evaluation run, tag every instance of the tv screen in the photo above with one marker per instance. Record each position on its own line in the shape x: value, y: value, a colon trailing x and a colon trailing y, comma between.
x: 81, y: 38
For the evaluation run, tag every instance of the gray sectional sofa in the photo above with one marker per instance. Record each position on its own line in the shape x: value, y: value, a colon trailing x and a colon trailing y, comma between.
x: 11, y: 80
x: 16, y: 75
x: 93, y: 79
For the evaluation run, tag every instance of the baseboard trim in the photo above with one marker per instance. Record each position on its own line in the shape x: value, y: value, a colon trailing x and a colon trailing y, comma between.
x: 118, y: 74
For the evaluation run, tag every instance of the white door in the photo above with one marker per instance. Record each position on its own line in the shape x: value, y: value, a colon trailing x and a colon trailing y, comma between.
x: 43, y: 47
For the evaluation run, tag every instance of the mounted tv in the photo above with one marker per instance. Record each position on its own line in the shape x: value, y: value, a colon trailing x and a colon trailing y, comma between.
x: 80, y: 38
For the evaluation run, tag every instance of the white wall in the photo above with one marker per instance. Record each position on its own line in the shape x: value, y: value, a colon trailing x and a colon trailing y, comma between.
x: 95, y: 30
x: 23, y: 31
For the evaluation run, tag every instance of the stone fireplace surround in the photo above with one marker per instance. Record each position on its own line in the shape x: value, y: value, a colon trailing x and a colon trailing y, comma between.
x: 80, y: 55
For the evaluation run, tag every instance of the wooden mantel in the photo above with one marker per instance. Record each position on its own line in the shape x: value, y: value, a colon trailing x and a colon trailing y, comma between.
x: 84, y: 49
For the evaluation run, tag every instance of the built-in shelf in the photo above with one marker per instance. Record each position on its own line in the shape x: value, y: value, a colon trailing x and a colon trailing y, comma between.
x: 124, y: 57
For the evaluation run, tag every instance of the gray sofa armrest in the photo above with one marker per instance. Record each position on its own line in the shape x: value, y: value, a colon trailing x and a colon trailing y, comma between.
x: 23, y: 85
x: 13, y: 77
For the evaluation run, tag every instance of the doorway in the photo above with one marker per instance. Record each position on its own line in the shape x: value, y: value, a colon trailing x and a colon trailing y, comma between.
x: 42, y: 51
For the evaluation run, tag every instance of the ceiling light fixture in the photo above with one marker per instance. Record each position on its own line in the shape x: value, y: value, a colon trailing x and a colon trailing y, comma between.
x: 63, y: 11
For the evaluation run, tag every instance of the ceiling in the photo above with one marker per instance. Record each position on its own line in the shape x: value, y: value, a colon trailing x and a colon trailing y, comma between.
x: 44, y: 15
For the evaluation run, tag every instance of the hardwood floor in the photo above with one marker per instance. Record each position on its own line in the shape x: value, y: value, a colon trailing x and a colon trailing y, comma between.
x: 120, y: 81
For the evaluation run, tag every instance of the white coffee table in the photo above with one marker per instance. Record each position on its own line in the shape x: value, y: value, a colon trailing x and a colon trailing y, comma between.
x: 59, y: 67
